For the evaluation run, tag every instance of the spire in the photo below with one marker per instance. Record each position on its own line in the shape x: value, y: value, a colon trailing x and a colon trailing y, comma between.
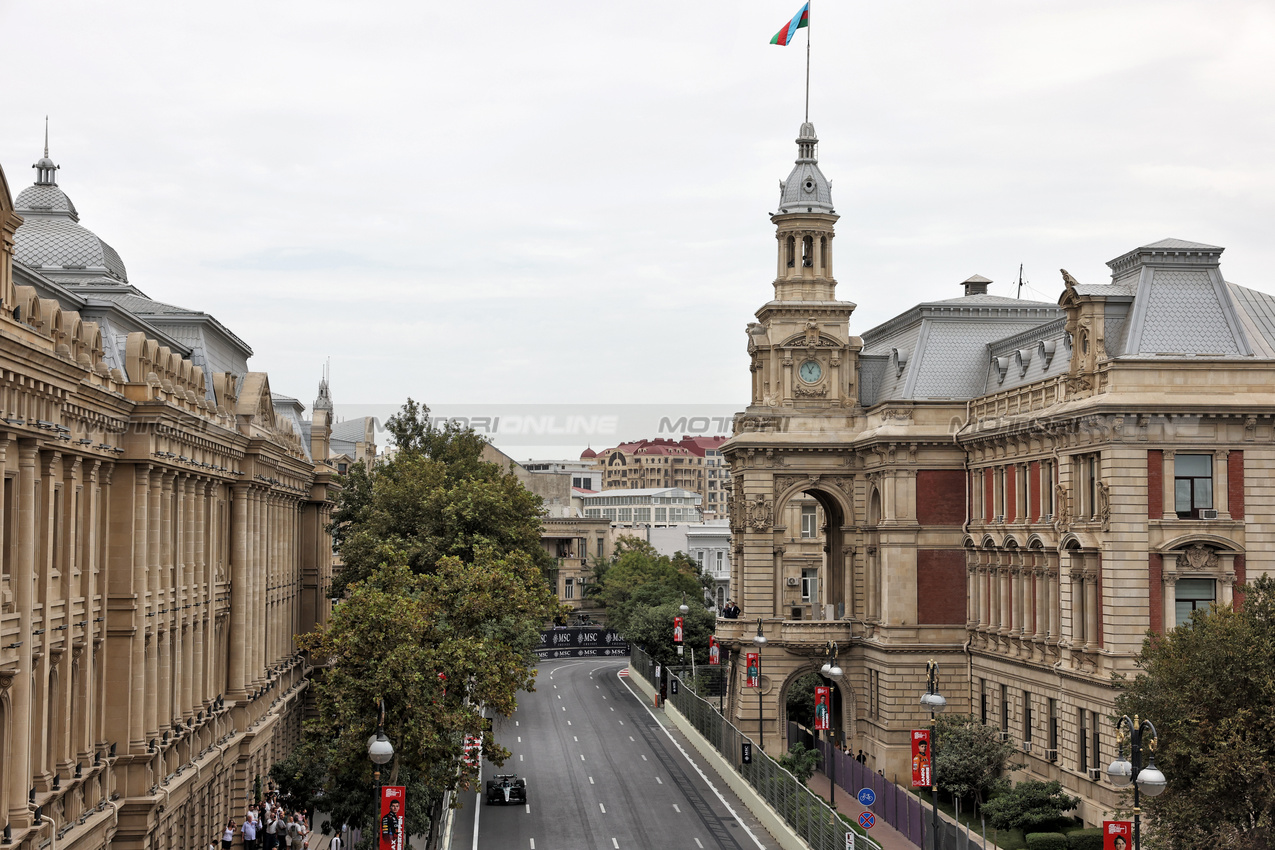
x: 807, y: 144
x: 324, y: 401
x: 45, y: 170
x: 806, y: 190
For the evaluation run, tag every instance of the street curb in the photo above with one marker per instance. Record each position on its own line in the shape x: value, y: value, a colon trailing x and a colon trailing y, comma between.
x: 770, y: 819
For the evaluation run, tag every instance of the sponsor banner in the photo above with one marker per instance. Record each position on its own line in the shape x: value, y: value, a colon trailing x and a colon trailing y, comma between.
x: 822, y: 718
x: 581, y: 642
x: 753, y: 671
x: 920, y: 758
x: 677, y: 630
x: 393, y: 810
x: 1117, y: 835
x: 714, y: 651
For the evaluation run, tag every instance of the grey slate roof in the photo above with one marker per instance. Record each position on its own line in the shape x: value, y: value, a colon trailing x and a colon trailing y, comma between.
x: 806, y: 189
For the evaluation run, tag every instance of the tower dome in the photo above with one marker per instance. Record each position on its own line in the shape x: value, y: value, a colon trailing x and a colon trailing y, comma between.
x: 588, y: 454
x: 51, y: 239
x: 806, y: 190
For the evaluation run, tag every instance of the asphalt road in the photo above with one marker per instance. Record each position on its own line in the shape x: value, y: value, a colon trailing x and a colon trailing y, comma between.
x: 602, y: 772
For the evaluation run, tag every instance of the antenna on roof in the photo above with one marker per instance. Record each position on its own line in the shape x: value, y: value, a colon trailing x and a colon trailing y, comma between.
x: 1020, y: 281
x: 46, y: 136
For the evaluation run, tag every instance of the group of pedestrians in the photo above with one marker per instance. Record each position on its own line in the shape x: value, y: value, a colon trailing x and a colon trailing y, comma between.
x: 268, y: 826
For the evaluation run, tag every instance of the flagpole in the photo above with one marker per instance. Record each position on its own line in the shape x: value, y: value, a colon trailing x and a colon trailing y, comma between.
x: 809, y: 21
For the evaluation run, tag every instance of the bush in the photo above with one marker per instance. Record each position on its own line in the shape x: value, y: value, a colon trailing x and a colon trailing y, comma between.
x: 800, y: 761
x: 1030, y: 805
x: 1085, y: 839
x: 1046, y: 841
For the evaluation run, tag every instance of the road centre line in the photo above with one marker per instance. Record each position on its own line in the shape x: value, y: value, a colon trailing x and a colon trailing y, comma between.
x: 533, y: 844
x: 659, y: 781
x: 676, y: 809
x: 576, y: 738
x: 698, y: 844
x: 644, y: 757
x: 591, y: 782
x: 603, y: 808
x: 615, y: 844
x: 632, y: 739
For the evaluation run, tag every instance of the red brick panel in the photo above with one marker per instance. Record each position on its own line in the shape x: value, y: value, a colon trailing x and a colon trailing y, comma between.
x: 1241, y: 576
x: 940, y: 587
x: 1155, y: 584
x: 1011, y: 492
x: 940, y: 497
x: 1235, y: 484
x: 1155, y: 484
x: 989, y: 494
x: 1033, y: 491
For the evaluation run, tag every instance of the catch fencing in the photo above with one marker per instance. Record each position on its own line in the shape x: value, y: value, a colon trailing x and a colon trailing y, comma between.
x: 804, y: 811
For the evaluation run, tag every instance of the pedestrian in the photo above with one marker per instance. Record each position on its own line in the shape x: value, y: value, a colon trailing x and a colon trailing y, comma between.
x: 272, y: 828
x: 250, y: 832
x: 228, y: 836
x: 335, y: 844
x: 303, y: 830
x: 292, y: 834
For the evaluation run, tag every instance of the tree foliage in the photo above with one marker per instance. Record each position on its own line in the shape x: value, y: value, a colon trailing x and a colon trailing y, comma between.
x: 637, y: 577
x: 1209, y: 687
x: 969, y: 757
x: 801, y: 761
x: 1030, y: 805
x: 436, y: 497
x: 800, y: 700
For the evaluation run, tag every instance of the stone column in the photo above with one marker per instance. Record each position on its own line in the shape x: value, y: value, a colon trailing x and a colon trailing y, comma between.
x: 239, y: 535
x: 157, y: 600
x: 1226, y: 586
x: 169, y: 502
x: 138, y: 725
x: 971, y: 592
x: 1053, y: 589
x: 1017, y: 610
x: 188, y: 599
x: 1078, y: 619
x: 1042, y: 615
x: 23, y: 584
x: 1169, y: 576
x: 1170, y: 509
x: 1221, y: 485
x: 1092, y: 643
x: 984, y: 599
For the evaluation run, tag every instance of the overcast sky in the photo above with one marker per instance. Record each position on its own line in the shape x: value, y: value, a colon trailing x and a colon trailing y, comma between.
x: 524, y: 202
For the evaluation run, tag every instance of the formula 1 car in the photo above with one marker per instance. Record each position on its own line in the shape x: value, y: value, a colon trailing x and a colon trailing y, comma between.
x: 506, y: 788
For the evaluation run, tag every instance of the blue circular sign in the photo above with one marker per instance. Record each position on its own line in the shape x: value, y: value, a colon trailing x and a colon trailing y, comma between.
x: 867, y: 820
x: 867, y: 796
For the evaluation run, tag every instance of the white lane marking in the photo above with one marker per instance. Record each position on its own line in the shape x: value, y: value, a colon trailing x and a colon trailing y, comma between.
x: 615, y: 844
x: 599, y: 687
x: 576, y: 738
x: 555, y: 687
x: 559, y: 695
x: 591, y: 782
x: 611, y: 709
x: 658, y: 780
x: 604, y: 696
x: 520, y: 757
x: 676, y: 809
x: 631, y: 739
x: 529, y: 811
x: 581, y: 756
x: 520, y: 739
x: 564, y: 708
x: 478, y: 805
x: 621, y: 722
x: 603, y: 808
x: 568, y: 722
x: 515, y: 722
x: 533, y: 844
x: 698, y: 844
x: 692, y: 763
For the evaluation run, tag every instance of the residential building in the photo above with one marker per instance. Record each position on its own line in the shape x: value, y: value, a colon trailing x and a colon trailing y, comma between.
x: 584, y: 475
x: 644, y: 507
x: 708, y: 544
x: 1016, y: 490
x: 576, y: 543
x: 162, y: 540
x: 692, y: 463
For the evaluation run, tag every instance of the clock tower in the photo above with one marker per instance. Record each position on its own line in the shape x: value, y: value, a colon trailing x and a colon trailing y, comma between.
x: 802, y: 355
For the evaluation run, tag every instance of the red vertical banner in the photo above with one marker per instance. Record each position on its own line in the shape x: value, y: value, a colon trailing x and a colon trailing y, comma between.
x: 714, y: 652
x: 752, y: 671
x: 677, y: 630
x: 1117, y: 835
x: 920, y: 758
x: 393, y: 809
x: 822, y: 712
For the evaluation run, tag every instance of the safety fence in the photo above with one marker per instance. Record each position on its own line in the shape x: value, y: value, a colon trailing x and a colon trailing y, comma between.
x: 893, y: 804
x: 804, y: 811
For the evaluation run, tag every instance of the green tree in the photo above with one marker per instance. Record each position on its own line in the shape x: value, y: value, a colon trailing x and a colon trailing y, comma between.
x: 435, y: 498
x: 1209, y: 687
x: 801, y: 761
x: 1030, y: 805
x: 638, y: 578
x: 969, y: 757
x: 652, y: 629
x: 800, y: 700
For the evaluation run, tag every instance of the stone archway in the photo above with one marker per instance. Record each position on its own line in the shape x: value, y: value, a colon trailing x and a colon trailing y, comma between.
x: 843, y: 703
x: 836, y: 591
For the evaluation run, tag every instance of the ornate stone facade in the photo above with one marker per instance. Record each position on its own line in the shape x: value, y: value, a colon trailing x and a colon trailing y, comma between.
x: 162, y: 539
x: 1017, y: 490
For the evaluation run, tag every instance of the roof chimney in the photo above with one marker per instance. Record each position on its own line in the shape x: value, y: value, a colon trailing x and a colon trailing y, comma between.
x: 976, y: 285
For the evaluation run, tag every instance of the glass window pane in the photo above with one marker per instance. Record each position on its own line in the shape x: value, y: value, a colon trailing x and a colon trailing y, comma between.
x: 1193, y: 465
x: 1204, y: 492
x: 1182, y: 496
x: 1182, y: 612
x: 1200, y: 589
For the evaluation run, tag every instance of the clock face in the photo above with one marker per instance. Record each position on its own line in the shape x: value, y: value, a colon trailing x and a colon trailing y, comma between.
x: 810, y: 371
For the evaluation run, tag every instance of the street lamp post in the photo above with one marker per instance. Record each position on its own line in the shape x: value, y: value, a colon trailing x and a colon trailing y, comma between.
x: 832, y: 671
x: 759, y: 640
x: 1148, y: 780
x: 380, y: 751
x: 934, y: 702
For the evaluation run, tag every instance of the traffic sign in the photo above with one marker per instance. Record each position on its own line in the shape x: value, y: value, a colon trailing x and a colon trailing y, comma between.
x: 867, y: 820
x: 849, y: 841
x: 867, y: 796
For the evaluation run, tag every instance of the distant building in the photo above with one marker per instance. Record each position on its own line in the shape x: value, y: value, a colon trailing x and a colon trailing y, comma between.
x: 644, y: 507
x: 576, y: 542
x: 584, y: 475
x: 708, y: 544
x: 692, y: 463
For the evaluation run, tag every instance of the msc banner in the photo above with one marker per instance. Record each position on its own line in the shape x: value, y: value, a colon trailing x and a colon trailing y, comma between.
x: 581, y: 642
x: 392, y: 813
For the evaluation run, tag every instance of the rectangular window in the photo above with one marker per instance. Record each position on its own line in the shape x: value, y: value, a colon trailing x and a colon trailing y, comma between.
x: 569, y: 591
x: 1027, y: 716
x: 1047, y: 488
x: 609, y: 513
x: 1091, y: 484
x: 577, y: 482
x: 661, y: 514
x: 1053, y: 726
x: 642, y: 514
x: 1096, y: 741
x: 982, y: 701
x: 699, y: 558
x: 809, y: 584
x: 584, y: 548
x: 999, y: 498
x: 1192, y: 594
x: 1021, y: 472
x: 1005, y: 708
x: 10, y: 512
x: 808, y: 516
x: 1083, y: 749
x: 1192, y: 485
x: 721, y: 561
x: 626, y: 515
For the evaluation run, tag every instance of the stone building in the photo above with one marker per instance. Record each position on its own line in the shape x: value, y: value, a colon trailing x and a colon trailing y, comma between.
x: 161, y: 542
x: 1016, y: 490
x: 692, y: 463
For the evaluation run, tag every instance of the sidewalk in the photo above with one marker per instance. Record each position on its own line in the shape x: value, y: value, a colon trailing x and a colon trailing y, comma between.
x: 887, y: 836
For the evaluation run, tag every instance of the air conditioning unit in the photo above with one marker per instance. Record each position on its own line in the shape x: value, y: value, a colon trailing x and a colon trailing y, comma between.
x: 1048, y: 518
x: 999, y: 518
x: 792, y: 581
x: 1051, y: 755
x: 1208, y: 514
x: 1095, y: 773
x: 1004, y: 737
x: 1027, y: 746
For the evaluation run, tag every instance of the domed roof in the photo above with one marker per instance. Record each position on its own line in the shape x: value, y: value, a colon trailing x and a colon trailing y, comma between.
x: 806, y: 190
x: 51, y: 239
x: 588, y: 454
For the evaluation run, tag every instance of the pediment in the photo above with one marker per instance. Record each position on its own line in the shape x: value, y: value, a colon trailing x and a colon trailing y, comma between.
x: 804, y: 340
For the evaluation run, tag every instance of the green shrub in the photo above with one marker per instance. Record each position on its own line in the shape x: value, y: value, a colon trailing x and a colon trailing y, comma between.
x: 1046, y: 841
x: 1085, y: 839
x: 1030, y: 805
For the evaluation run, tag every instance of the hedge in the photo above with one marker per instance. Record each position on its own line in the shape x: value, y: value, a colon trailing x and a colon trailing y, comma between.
x: 1085, y: 839
x: 1046, y: 841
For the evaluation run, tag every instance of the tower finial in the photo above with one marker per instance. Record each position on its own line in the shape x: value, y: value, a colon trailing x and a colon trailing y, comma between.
x: 46, y: 136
